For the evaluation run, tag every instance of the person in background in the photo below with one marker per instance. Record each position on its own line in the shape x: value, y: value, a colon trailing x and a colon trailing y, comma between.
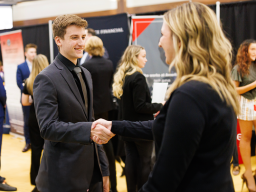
x: 244, y: 77
x: 86, y: 56
x: 3, y: 184
x: 37, y: 142
x: 131, y: 88
x: 235, y: 163
x: 101, y: 70
x: 1, y: 70
x: 195, y: 131
x: 23, y: 72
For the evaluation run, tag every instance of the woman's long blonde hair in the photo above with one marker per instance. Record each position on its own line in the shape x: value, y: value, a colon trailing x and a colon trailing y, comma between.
x: 127, y: 66
x: 202, y: 52
x: 39, y: 63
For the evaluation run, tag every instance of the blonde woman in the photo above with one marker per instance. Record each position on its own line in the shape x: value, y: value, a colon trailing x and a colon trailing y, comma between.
x: 39, y: 63
x: 135, y: 105
x: 195, y: 131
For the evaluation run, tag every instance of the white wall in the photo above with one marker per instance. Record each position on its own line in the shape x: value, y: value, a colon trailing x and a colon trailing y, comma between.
x: 52, y: 8
x: 138, y: 3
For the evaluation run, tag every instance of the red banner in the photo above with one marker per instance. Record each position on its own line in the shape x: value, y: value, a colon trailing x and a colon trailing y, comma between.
x: 13, y: 54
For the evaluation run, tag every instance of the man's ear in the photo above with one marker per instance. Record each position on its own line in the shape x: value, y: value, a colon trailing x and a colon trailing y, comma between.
x: 58, y: 41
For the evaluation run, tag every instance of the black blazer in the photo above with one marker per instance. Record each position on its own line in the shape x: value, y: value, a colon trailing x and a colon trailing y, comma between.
x: 68, y: 159
x: 195, y: 136
x: 135, y: 104
x: 101, y: 70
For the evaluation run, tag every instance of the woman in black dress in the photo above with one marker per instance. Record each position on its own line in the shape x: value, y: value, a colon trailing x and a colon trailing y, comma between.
x: 131, y: 88
x: 195, y: 131
x: 39, y: 63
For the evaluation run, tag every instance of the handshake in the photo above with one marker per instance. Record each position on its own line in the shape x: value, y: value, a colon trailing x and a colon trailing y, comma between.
x: 101, y: 131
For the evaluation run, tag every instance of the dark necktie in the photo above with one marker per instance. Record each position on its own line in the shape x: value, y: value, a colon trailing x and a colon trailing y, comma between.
x: 79, y: 74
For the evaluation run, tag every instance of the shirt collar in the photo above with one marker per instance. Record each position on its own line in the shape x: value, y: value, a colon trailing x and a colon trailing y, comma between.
x: 66, y: 62
x: 28, y: 62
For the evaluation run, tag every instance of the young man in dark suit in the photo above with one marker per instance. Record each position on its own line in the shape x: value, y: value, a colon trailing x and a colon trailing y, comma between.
x: 23, y: 72
x: 64, y: 107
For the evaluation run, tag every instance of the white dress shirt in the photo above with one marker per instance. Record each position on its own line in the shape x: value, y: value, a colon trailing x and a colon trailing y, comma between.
x: 29, y: 65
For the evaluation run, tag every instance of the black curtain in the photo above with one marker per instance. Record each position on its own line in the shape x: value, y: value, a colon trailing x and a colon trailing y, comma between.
x: 37, y: 34
x: 238, y: 22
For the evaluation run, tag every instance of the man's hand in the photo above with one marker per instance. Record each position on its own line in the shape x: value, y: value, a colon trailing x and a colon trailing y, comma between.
x: 104, y: 123
x: 106, y: 184
x: 101, y: 134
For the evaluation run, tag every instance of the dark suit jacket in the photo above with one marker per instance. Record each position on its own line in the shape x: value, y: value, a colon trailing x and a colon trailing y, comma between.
x: 135, y: 102
x: 88, y: 57
x: 2, y: 99
x: 195, y: 136
x: 101, y: 71
x: 68, y: 161
x: 22, y: 74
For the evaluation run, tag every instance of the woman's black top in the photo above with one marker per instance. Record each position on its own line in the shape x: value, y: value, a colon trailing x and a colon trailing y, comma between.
x: 135, y: 104
x: 32, y: 122
x: 195, y: 134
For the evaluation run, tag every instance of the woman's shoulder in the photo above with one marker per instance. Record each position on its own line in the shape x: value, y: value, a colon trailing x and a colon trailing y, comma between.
x: 196, y: 89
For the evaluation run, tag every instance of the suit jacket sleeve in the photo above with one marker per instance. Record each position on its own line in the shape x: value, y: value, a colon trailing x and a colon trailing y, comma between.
x: 139, y: 97
x: 103, y: 161
x: 2, y: 93
x: 46, y: 107
x: 19, y: 78
x: 140, y: 130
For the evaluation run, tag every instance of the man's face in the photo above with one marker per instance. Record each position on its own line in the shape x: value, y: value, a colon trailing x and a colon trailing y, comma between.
x: 30, y: 54
x: 88, y: 35
x: 73, y: 43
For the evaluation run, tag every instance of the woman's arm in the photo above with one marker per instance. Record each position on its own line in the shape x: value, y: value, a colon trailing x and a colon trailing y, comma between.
x: 25, y: 100
x: 244, y: 89
x: 139, y: 130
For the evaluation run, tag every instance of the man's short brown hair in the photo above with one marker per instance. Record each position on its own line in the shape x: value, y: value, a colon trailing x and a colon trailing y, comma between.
x: 91, y: 31
x: 62, y: 22
x: 94, y: 46
x: 30, y: 45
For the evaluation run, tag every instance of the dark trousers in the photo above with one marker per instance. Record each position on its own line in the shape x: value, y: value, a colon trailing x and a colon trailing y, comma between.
x: 138, y: 163
x: 110, y: 155
x: 26, y: 111
x: 37, y: 143
x: 235, y: 157
x: 96, y: 187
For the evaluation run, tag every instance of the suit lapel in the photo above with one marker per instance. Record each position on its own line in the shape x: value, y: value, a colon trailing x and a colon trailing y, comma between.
x: 27, y: 71
x: 71, y: 83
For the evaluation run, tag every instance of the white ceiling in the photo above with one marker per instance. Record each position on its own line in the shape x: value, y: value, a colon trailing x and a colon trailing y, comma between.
x: 12, y: 2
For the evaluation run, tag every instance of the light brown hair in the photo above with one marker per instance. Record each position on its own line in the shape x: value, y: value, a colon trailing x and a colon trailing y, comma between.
x: 94, y: 46
x: 202, y: 51
x: 62, y: 22
x: 127, y: 66
x: 39, y: 63
x: 91, y: 31
x: 30, y: 45
x: 243, y: 58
